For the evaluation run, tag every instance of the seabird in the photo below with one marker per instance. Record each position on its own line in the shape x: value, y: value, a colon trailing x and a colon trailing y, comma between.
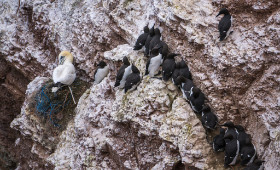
x: 247, y: 152
x: 163, y: 50
x: 219, y: 142
x: 132, y: 80
x: 123, y: 72
x: 231, y: 150
x: 230, y: 130
x: 242, y: 135
x: 140, y: 42
x: 155, y: 40
x: 154, y: 62
x: 208, y: 119
x: 186, y: 85
x: 101, y: 72
x: 184, y: 70
x: 168, y: 66
x: 197, y: 99
x: 149, y: 38
x: 65, y: 72
x: 224, y: 24
x: 176, y: 74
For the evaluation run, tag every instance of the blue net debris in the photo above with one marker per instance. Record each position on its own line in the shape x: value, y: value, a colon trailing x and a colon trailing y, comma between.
x: 48, y: 106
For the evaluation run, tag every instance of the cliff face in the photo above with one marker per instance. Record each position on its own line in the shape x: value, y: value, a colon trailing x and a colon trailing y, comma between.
x: 152, y: 127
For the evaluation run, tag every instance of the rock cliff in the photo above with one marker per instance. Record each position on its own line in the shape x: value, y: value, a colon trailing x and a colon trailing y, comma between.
x: 152, y: 127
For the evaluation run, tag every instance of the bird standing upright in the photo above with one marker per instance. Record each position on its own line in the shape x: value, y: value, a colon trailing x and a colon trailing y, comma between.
x: 168, y: 66
x: 101, y: 72
x: 65, y: 72
x: 123, y: 72
x: 132, y: 80
x: 224, y: 24
x: 140, y: 42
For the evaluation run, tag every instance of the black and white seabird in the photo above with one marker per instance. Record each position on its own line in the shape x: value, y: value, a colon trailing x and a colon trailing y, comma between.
x: 186, y: 85
x: 140, y: 42
x: 230, y: 130
x: 242, y: 135
x: 219, y: 142
x: 132, y: 80
x: 176, y: 74
x: 148, y: 40
x: 197, y: 99
x: 123, y: 72
x: 153, y: 64
x: 168, y: 66
x: 184, y: 70
x: 224, y: 24
x: 231, y: 150
x: 163, y: 50
x: 247, y: 152
x: 101, y: 72
x: 208, y: 119
x: 256, y: 165
x: 181, y: 69
x: 155, y: 40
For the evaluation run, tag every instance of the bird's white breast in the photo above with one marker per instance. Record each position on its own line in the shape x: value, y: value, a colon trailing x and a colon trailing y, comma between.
x: 64, y: 74
x: 101, y: 74
x: 127, y: 71
x: 154, y: 65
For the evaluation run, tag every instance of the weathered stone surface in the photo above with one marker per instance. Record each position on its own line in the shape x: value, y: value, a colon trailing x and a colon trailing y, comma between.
x: 240, y: 76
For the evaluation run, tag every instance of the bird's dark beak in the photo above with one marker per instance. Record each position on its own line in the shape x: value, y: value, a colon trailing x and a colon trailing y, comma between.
x: 177, y: 54
x: 61, y: 60
x: 218, y: 14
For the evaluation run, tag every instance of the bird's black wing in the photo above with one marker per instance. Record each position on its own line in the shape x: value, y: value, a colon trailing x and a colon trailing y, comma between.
x: 164, y: 49
x: 231, y: 148
x: 224, y: 26
x: 155, y: 40
x: 199, y: 102
x: 131, y: 80
x: 185, y: 72
x: 141, y: 39
x: 120, y: 74
x: 175, y: 74
x: 168, y: 67
x: 225, y: 23
x: 147, y: 44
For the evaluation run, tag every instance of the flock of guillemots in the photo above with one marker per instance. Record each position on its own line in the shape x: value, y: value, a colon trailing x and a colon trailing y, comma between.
x: 233, y: 140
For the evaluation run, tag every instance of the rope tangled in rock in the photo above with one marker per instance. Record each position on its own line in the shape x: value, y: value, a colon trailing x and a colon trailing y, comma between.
x: 47, y: 108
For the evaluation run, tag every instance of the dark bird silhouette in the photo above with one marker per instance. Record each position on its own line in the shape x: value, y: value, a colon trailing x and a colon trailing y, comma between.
x: 168, y: 66
x: 219, y: 142
x: 197, y: 99
x: 148, y: 40
x: 208, y: 119
x: 140, y: 42
x: 132, y: 80
x: 224, y: 24
x: 123, y: 72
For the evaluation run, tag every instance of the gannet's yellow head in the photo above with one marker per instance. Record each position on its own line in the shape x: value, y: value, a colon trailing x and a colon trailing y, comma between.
x: 65, y: 56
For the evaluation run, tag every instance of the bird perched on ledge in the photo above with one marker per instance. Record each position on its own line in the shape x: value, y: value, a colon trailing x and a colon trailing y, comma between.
x: 101, y: 72
x: 64, y: 73
x: 225, y: 24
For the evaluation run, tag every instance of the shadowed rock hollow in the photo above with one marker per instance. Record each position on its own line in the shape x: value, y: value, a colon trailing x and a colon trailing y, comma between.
x: 152, y: 127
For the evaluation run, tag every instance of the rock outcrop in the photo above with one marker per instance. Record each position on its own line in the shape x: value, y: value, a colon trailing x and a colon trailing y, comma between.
x: 239, y: 76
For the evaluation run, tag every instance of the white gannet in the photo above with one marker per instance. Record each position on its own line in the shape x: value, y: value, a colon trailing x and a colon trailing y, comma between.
x: 65, y: 72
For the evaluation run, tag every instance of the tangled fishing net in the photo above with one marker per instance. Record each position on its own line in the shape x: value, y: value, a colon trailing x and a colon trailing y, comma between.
x: 49, y: 104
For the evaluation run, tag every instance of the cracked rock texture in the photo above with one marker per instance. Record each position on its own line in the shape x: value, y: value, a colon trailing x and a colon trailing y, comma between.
x: 152, y: 127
